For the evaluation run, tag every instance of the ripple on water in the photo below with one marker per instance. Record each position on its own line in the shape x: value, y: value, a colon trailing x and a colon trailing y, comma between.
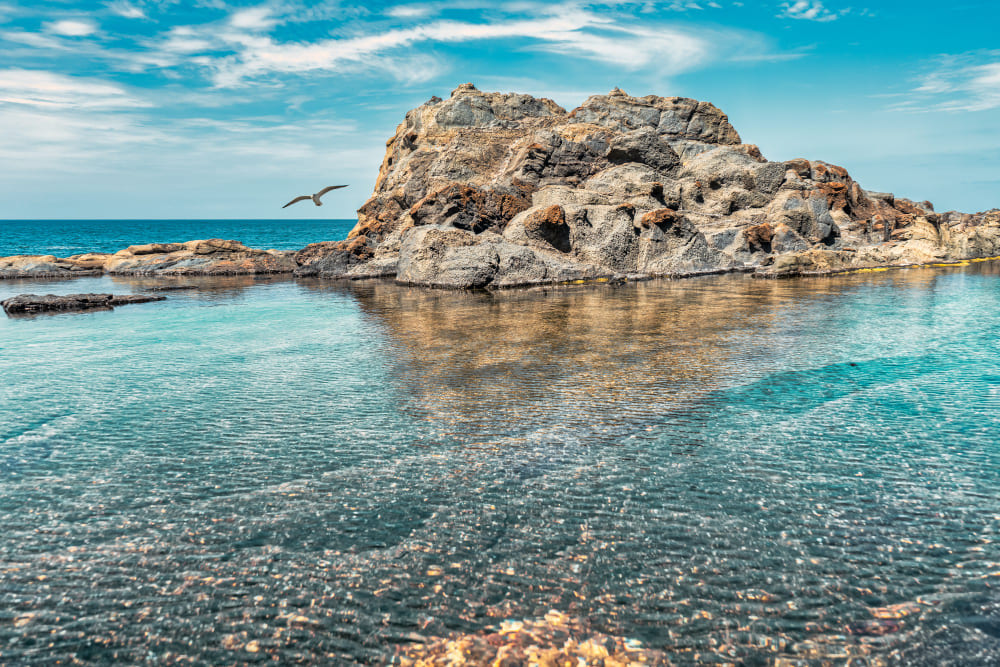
x: 717, y: 470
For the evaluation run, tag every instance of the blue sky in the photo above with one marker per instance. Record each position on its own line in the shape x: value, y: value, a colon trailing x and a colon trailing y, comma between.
x: 227, y: 109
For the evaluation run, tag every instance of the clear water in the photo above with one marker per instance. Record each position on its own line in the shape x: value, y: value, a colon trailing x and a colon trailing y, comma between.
x: 63, y: 238
x: 726, y: 469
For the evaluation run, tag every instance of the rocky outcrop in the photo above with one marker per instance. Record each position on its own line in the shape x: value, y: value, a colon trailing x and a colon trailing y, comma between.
x: 212, y: 257
x: 489, y: 190
x: 497, y: 190
x: 50, y: 266
x: 26, y: 304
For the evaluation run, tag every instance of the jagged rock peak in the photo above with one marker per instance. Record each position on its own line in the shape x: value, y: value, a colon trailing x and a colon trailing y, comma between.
x: 464, y: 88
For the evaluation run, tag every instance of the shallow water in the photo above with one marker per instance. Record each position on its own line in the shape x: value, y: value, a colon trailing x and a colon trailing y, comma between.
x: 726, y: 469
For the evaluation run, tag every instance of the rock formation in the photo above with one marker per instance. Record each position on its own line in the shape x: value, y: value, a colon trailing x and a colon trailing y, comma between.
x: 497, y: 190
x: 214, y: 257
x: 50, y: 266
x: 210, y: 257
x: 33, y: 303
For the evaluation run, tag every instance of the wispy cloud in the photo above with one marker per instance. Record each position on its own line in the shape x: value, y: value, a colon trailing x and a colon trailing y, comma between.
x: 966, y: 82
x: 253, y: 18
x: 50, y: 89
x: 241, y: 48
x: 409, y: 11
x: 7, y: 12
x: 126, y: 9
x: 809, y: 10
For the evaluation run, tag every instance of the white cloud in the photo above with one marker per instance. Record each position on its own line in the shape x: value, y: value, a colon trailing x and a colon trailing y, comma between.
x: 72, y: 28
x: 33, y: 39
x: 810, y: 10
x: 43, y: 89
x: 564, y: 29
x: 126, y: 10
x: 184, y: 39
x: 254, y: 18
x: 958, y: 83
x: 409, y: 11
x: 120, y: 143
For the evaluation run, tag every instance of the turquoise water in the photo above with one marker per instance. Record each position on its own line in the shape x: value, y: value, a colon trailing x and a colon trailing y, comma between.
x: 72, y: 237
x: 727, y: 469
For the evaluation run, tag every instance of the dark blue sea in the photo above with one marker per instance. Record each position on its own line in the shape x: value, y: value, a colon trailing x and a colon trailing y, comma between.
x: 706, y: 471
x: 63, y: 238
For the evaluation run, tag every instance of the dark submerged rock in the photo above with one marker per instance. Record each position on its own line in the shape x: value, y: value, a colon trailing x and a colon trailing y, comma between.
x: 33, y: 303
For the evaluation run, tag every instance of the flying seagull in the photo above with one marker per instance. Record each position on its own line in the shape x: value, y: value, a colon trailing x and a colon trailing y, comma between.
x: 315, y: 197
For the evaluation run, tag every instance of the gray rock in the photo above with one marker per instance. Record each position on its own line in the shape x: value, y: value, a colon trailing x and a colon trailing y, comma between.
x: 26, y: 304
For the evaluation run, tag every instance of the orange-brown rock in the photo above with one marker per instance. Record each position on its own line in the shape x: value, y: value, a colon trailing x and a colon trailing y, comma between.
x: 661, y: 217
x: 759, y: 237
x: 201, y: 257
x: 50, y: 266
x: 549, y: 225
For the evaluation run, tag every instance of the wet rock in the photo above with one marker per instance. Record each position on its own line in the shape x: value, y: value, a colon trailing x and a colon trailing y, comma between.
x: 332, y: 259
x: 34, y: 303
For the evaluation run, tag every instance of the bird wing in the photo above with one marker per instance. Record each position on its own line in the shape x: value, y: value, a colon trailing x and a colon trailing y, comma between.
x: 328, y: 188
x: 297, y: 199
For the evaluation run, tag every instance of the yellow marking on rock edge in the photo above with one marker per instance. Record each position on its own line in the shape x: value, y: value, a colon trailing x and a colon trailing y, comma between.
x: 929, y: 265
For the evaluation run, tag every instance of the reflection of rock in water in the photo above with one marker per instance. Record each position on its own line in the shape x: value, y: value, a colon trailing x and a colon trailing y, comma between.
x: 556, y: 365
x: 221, y: 286
x: 569, y: 365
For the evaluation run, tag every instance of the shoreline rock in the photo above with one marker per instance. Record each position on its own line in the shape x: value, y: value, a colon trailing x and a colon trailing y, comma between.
x: 205, y: 257
x: 49, y: 266
x: 499, y: 190
x: 30, y: 304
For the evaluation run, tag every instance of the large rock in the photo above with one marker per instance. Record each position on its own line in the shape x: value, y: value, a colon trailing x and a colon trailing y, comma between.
x: 497, y: 190
x: 213, y: 257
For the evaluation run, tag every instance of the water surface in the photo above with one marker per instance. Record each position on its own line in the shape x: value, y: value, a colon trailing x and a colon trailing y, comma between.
x: 724, y: 469
x: 63, y: 238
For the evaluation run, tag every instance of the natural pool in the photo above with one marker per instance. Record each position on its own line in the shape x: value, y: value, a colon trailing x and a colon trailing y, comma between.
x: 716, y: 470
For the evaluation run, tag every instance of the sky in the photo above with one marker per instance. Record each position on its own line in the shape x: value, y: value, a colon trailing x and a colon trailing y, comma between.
x: 124, y: 109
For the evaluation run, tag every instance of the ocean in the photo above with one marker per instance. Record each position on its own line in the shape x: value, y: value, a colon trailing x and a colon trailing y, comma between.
x: 722, y: 469
x: 63, y: 238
